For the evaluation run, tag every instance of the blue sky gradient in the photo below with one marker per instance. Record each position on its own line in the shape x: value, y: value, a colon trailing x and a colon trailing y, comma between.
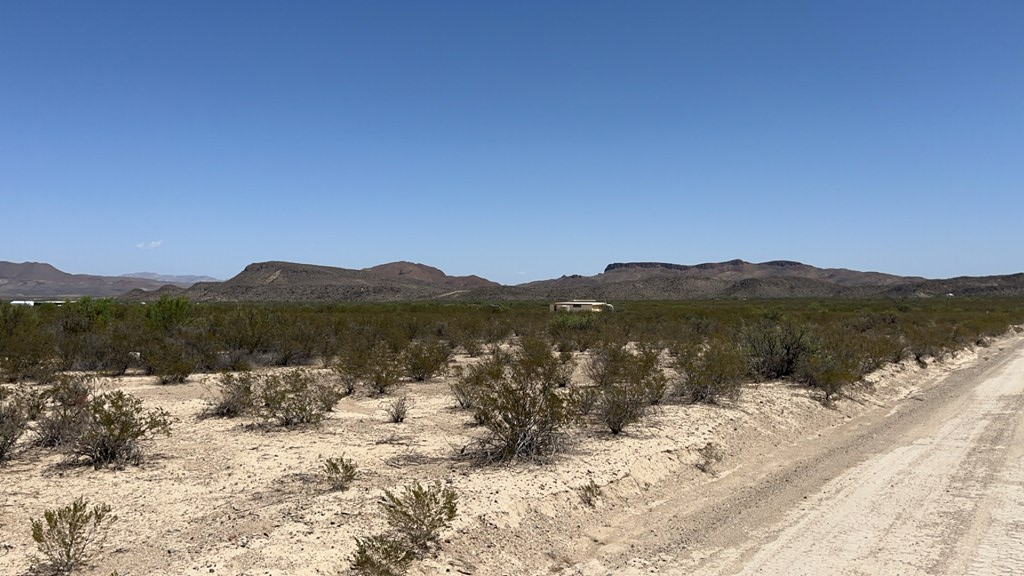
x: 517, y: 141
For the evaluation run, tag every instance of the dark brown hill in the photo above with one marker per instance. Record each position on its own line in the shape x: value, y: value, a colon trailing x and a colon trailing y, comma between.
x: 736, y: 270
x: 291, y: 282
x: 429, y: 274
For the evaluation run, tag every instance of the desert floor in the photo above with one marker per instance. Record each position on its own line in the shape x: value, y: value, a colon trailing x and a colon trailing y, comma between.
x: 919, y: 473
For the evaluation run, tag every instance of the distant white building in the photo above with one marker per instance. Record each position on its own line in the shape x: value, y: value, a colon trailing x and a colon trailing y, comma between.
x: 581, y: 306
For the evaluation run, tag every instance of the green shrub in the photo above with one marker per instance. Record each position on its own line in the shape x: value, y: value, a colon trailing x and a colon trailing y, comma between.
x: 711, y: 372
x: 830, y: 366
x: 384, y: 371
x: 415, y: 520
x: 237, y: 395
x: 67, y: 537
x: 12, y: 426
x: 518, y: 401
x: 293, y: 398
x: 169, y: 359
x: 115, y: 427
x: 381, y: 555
x: 424, y: 360
x: 774, y: 348
x: 621, y: 404
x: 340, y: 472
x: 419, y: 513
x: 470, y: 381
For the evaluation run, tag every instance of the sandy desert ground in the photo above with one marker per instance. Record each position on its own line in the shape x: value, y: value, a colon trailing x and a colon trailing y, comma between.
x: 918, y: 473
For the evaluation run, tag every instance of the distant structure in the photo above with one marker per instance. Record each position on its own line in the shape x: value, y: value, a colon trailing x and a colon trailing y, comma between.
x: 581, y: 306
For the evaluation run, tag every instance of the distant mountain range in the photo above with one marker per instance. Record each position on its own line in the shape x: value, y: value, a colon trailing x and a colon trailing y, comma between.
x: 40, y: 281
x: 171, y: 279
x: 408, y: 281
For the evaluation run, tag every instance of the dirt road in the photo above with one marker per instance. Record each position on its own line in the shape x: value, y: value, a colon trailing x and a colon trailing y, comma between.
x: 931, y: 485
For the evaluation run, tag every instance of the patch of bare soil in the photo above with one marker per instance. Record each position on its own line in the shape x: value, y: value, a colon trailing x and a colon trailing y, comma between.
x: 222, y: 497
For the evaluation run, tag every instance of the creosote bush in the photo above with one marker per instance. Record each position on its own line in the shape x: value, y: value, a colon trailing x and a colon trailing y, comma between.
x: 12, y: 426
x: 415, y: 518
x: 830, y: 366
x: 381, y: 555
x: 294, y: 398
x: 626, y: 383
x: 710, y: 372
x: 340, y: 472
x: 115, y: 427
x: 67, y: 537
x: 775, y: 347
x: 424, y: 360
x: 418, y: 513
x: 237, y: 395
x: 518, y: 400
x: 68, y: 413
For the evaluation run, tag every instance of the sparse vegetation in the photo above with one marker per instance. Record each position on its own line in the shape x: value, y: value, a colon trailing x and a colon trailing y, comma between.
x: 293, y: 398
x: 12, y: 426
x: 589, y: 493
x: 710, y: 455
x: 68, y: 413
x: 710, y: 372
x: 415, y: 518
x: 419, y: 513
x: 519, y: 402
x: 114, y: 429
x: 397, y: 409
x: 67, y: 537
x: 237, y: 395
x: 340, y: 472
x: 424, y: 360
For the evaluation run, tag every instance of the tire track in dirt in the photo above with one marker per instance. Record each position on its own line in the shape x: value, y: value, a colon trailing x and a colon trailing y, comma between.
x: 925, y: 507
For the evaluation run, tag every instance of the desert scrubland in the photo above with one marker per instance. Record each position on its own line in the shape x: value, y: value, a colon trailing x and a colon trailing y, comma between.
x: 794, y: 437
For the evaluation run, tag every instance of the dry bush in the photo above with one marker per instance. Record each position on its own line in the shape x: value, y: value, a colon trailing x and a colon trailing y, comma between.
x: 397, y: 409
x: 710, y: 455
x: 67, y: 537
x: 589, y: 493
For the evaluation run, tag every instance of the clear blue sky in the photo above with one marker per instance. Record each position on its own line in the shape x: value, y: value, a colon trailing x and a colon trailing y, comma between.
x: 515, y: 140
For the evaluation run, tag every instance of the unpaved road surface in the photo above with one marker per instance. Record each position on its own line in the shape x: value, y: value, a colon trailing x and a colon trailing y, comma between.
x: 931, y: 485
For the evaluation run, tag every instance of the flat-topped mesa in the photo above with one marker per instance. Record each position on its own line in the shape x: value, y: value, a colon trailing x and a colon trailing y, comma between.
x: 684, y: 267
